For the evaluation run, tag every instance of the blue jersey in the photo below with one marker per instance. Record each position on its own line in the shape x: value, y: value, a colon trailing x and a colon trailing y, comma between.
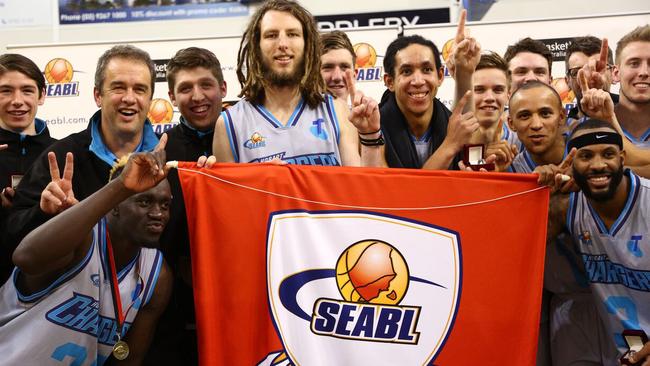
x: 617, y: 259
x: 73, y: 320
x: 309, y: 137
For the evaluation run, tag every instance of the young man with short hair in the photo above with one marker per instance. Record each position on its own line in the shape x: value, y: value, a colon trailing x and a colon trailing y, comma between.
x: 22, y: 91
x: 337, y: 57
x: 196, y: 88
x: 632, y: 71
x: 528, y: 60
x: 537, y: 116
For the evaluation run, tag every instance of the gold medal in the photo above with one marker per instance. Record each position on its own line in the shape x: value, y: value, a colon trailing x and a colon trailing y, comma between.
x: 121, y: 350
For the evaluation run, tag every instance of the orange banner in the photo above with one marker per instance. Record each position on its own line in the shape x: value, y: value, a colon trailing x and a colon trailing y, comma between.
x: 301, y: 265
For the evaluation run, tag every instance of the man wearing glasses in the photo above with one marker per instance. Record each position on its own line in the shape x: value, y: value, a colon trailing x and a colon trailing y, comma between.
x: 595, y: 57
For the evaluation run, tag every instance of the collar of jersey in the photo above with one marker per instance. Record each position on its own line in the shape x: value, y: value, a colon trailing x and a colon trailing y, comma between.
x: 270, y: 118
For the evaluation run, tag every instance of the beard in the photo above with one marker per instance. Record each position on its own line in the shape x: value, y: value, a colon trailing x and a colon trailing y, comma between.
x: 582, y: 182
x: 282, y: 79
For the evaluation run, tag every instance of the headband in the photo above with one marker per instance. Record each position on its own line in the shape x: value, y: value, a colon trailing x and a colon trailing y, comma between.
x: 595, y: 138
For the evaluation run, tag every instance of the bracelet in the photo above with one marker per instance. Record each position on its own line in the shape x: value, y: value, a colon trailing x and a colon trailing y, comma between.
x: 369, y: 133
x: 372, y: 142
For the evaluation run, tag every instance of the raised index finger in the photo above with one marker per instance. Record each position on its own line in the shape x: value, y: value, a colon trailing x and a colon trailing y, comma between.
x: 55, y: 174
x: 460, y: 31
x: 582, y: 81
x: 460, y: 106
x: 162, y: 143
x: 568, y: 160
x: 349, y: 79
x: 602, y: 60
x: 497, y: 132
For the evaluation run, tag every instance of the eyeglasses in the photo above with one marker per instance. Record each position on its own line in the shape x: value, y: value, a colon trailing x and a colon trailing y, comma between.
x: 573, y: 72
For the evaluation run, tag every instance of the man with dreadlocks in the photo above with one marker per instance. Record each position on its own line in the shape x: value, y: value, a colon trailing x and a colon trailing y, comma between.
x: 284, y: 113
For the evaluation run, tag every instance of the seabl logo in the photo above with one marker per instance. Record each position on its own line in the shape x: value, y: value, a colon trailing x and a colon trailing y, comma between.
x: 160, y: 115
x: 256, y: 140
x: 360, y: 288
x: 365, y: 63
x: 58, y: 74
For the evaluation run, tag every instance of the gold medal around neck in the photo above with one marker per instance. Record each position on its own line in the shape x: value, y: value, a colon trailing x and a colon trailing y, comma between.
x: 121, y: 350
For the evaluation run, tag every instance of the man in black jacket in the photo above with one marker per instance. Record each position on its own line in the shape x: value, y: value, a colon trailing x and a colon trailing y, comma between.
x: 196, y: 88
x: 123, y: 89
x: 22, y: 90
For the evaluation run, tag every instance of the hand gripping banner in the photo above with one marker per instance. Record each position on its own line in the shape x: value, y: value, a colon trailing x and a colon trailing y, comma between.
x: 300, y: 265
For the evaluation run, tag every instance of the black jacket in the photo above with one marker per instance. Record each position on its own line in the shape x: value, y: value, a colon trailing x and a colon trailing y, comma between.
x: 22, y: 151
x: 400, y: 151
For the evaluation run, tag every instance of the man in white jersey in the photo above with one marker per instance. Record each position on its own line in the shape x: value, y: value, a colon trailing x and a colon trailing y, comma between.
x: 78, y: 294
x: 609, y: 218
x: 537, y: 116
x: 284, y: 113
x: 632, y: 71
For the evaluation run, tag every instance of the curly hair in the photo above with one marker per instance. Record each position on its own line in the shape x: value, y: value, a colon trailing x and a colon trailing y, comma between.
x: 250, y: 71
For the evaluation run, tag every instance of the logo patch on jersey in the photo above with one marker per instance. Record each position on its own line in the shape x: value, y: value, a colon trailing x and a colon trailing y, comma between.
x: 381, y: 289
x: 80, y: 313
x: 95, y: 279
x: 585, y: 238
x: 256, y: 141
x: 317, y: 129
x: 633, y: 246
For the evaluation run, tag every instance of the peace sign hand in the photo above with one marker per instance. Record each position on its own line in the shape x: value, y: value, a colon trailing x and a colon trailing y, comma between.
x: 58, y: 194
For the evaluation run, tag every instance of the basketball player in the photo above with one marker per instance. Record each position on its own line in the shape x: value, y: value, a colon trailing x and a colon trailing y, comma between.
x: 420, y: 131
x: 124, y: 86
x: 89, y: 283
x: 528, y: 60
x: 537, y: 116
x: 22, y: 91
x: 632, y: 70
x: 609, y: 219
x: 284, y: 114
x: 490, y: 86
x: 337, y: 56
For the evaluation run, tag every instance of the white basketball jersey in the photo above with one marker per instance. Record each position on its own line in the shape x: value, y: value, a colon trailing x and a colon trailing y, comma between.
x: 309, y: 137
x: 72, y: 322
x: 523, y: 163
x: 643, y: 141
x: 617, y: 260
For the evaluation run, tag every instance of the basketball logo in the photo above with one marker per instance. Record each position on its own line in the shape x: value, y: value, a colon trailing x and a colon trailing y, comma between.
x: 161, y: 111
x: 366, y: 55
x: 372, y: 271
x: 58, y: 71
x: 446, y: 49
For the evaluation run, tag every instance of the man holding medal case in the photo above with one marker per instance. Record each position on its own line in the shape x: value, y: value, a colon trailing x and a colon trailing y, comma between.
x: 95, y: 259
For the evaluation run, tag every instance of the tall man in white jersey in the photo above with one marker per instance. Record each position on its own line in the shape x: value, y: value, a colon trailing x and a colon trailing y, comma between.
x: 609, y: 219
x: 284, y: 113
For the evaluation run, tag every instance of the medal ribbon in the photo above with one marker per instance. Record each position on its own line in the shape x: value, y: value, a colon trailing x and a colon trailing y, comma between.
x: 115, y: 289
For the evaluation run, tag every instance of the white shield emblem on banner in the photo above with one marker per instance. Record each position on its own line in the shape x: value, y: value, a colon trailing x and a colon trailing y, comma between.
x: 360, y: 288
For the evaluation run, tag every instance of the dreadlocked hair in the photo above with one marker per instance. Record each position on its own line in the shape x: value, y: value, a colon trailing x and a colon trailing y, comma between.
x: 249, y: 58
x: 118, y: 167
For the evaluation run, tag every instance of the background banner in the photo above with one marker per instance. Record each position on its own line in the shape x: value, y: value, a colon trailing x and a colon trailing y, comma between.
x: 301, y: 265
